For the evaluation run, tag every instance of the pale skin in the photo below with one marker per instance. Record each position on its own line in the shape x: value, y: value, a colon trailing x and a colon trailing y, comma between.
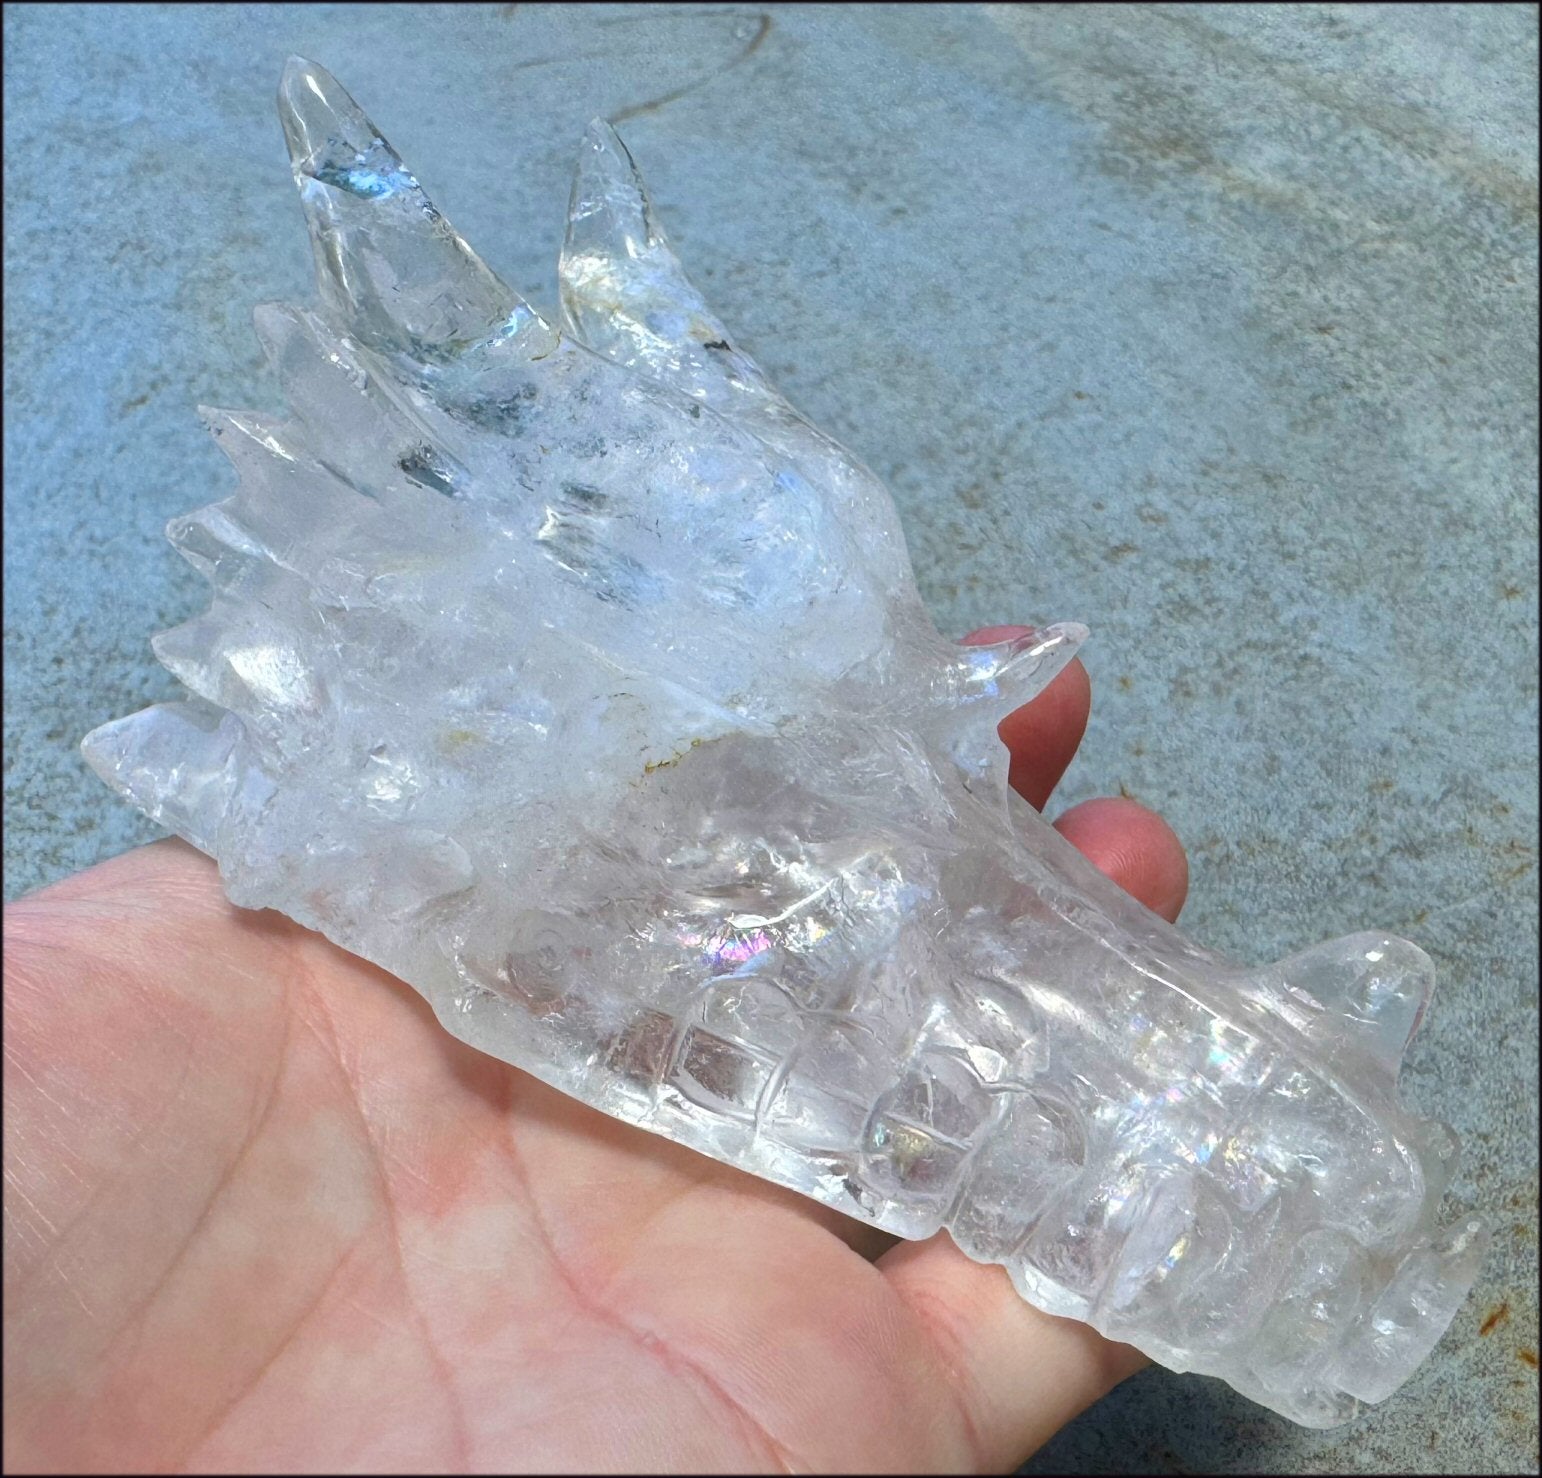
x: 263, y: 1214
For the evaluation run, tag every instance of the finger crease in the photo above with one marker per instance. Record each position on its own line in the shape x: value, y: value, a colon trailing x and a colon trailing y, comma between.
x: 656, y: 1346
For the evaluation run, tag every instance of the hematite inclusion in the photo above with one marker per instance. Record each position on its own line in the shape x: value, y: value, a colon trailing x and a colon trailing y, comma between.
x: 570, y: 674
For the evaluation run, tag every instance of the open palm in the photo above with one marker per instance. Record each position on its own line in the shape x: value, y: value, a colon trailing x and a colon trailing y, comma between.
x: 264, y: 1214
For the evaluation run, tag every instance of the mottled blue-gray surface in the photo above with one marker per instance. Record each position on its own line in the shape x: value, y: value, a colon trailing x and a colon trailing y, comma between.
x: 1213, y: 327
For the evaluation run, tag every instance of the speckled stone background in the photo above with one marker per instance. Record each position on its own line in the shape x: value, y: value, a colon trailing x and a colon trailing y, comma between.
x: 1213, y: 327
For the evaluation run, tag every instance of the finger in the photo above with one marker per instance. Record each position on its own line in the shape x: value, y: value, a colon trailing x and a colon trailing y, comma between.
x: 1042, y: 736
x: 1022, y: 1374
x: 1133, y: 846
x: 1019, y: 1374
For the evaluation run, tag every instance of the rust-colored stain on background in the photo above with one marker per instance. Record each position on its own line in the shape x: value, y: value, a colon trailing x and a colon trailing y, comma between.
x: 1495, y: 1319
x: 1527, y: 1357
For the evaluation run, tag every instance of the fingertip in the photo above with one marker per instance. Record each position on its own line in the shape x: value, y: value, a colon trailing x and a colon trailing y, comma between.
x: 1042, y: 737
x: 1066, y: 702
x: 1135, y: 847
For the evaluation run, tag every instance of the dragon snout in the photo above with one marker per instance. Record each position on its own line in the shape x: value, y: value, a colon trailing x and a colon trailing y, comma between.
x: 1263, y: 1210
x: 1347, y: 1326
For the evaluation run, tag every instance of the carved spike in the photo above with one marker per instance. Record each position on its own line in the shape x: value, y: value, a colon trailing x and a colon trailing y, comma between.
x: 624, y: 293
x: 977, y: 687
x: 192, y: 653
x: 216, y: 544
x: 1005, y: 675
x: 289, y: 507
x: 225, y: 656
x: 321, y: 374
x: 610, y: 212
x: 388, y: 264
x: 379, y: 443
x: 182, y: 763
x: 249, y: 438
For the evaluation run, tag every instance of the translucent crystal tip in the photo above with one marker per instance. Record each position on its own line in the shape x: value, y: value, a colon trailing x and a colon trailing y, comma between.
x: 318, y: 115
x: 609, y: 208
x: 390, y: 268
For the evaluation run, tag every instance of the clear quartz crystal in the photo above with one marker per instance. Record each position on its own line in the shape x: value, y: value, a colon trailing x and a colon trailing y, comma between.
x: 568, y: 673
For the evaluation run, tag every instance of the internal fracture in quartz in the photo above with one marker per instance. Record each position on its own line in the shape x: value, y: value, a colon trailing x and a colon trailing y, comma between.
x: 568, y: 673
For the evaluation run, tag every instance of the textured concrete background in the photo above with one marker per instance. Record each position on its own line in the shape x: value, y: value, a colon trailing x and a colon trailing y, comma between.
x: 1212, y: 327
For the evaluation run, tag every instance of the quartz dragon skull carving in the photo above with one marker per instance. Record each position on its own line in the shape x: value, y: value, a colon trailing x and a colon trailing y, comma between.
x: 567, y: 672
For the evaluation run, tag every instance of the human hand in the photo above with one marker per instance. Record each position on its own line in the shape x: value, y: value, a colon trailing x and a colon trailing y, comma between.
x: 263, y: 1213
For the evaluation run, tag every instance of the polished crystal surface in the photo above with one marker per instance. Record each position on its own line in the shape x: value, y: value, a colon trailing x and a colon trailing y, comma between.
x: 568, y: 673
